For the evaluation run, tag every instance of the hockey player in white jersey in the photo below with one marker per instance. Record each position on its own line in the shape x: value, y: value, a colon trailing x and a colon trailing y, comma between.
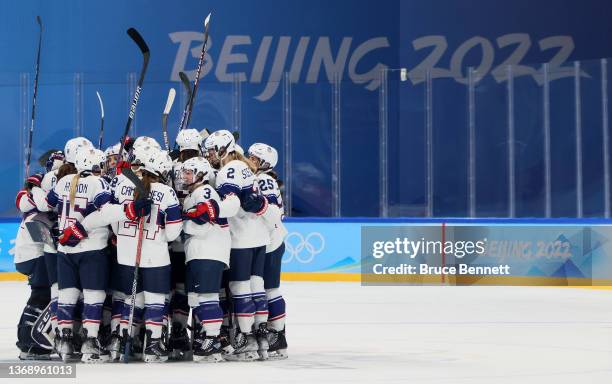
x: 81, y: 263
x: 53, y: 164
x: 29, y: 261
x: 243, y: 207
x: 266, y: 157
x: 207, y: 249
x: 163, y: 224
x: 188, y: 141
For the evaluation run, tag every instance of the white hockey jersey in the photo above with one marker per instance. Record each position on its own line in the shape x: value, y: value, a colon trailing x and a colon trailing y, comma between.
x: 92, y: 192
x: 162, y: 226
x: 25, y: 248
x: 247, y: 229
x: 269, y: 188
x: 48, y: 183
x: 49, y: 180
x: 177, y: 245
x: 210, y: 241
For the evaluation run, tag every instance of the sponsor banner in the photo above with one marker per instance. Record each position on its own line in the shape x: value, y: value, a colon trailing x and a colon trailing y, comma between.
x: 463, y: 252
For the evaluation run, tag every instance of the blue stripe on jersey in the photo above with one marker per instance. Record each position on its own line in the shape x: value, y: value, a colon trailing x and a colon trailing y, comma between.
x: 52, y: 198
x: 101, y: 199
x: 272, y: 199
x: 228, y: 188
x: 173, y: 214
x: 89, y: 209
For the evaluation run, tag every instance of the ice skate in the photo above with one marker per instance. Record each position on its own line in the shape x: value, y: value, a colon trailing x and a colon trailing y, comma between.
x: 207, y: 349
x: 261, y: 334
x: 179, y: 344
x: 245, y: 348
x: 155, y: 350
x: 93, y: 352
x: 277, y: 349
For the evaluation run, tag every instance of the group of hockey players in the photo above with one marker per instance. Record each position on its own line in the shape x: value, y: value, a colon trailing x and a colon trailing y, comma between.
x: 210, y: 239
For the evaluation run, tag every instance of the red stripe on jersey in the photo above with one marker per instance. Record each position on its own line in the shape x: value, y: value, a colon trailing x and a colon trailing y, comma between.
x: 277, y: 317
x: 211, y: 321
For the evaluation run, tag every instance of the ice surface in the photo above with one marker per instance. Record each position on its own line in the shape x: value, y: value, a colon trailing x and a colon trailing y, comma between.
x: 346, y: 333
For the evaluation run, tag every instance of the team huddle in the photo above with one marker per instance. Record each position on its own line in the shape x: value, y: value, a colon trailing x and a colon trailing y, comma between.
x: 142, y: 253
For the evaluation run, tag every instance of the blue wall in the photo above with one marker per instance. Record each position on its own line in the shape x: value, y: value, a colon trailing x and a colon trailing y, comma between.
x: 255, y: 42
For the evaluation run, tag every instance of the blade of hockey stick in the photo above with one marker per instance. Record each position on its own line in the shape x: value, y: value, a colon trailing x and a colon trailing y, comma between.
x: 167, y: 108
x: 101, y: 120
x: 29, y: 157
x: 144, y: 48
x: 187, y: 87
x: 145, y: 62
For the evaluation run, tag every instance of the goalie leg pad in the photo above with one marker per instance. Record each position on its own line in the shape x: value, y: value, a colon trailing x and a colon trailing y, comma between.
x: 39, y: 299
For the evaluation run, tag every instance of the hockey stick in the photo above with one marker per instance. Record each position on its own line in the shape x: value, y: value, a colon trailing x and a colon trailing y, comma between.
x: 101, y: 120
x: 39, y: 21
x: 187, y: 87
x: 169, y: 102
x: 142, y: 194
x: 133, y: 33
x: 186, y: 118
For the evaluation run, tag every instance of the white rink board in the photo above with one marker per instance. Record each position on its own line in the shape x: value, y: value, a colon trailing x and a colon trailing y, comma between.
x: 345, y: 333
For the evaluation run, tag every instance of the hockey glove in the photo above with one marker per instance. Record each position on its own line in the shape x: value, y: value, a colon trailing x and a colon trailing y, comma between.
x: 122, y: 165
x: 257, y: 204
x: 134, y: 210
x: 33, y: 181
x: 203, y: 212
x: 72, y: 234
x: 55, y: 232
x: 20, y: 195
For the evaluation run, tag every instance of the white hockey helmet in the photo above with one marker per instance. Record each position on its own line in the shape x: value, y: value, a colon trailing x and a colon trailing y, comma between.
x: 158, y: 163
x: 87, y: 159
x: 114, y: 150
x: 72, y: 146
x: 146, y: 141
x: 99, y: 160
x: 267, y: 155
x: 199, y: 166
x: 141, y: 155
x: 189, y: 139
x: 239, y: 149
x: 55, y: 160
x: 204, y: 133
x: 222, y: 142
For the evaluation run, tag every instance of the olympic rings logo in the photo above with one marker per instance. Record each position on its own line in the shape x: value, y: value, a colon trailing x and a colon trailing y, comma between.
x: 303, y: 249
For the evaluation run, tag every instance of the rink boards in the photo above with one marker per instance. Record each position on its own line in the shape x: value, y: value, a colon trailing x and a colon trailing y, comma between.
x: 538, y: 251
